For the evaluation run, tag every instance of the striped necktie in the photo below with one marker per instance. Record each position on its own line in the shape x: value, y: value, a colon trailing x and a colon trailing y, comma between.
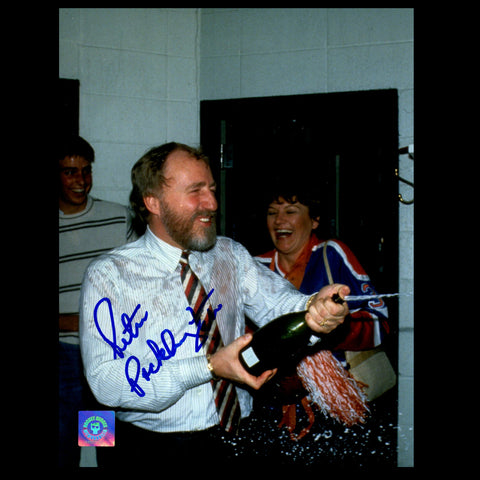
x: 224, y: 392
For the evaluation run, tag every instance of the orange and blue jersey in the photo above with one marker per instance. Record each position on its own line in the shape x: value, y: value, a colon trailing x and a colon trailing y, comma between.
x: 368, y: 320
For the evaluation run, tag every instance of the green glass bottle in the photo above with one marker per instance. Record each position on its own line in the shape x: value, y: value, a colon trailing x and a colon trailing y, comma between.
x: 283, y: 342
x: 278, y: 343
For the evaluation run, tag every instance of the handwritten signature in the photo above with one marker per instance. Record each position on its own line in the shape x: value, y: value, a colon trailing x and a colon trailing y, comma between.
x: 166, y: 351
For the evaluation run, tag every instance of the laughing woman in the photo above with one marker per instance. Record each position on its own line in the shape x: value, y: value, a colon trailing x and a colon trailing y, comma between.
x: 292, y: 218
x: 321, y: 381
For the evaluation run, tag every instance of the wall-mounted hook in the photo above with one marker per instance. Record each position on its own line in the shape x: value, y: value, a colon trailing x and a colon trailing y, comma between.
x: 408, y: 150
x: 401, y: 151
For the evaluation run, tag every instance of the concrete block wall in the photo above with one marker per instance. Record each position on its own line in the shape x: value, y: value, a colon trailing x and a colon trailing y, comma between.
x: 282, y: 51
x: 143, y: 73
x: 138, y: 70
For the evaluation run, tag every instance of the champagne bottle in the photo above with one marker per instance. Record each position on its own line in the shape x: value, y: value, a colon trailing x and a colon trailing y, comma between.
x: 281, y: 342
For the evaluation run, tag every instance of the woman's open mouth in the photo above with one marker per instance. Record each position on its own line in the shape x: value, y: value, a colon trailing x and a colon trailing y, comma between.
x: 283, y: 233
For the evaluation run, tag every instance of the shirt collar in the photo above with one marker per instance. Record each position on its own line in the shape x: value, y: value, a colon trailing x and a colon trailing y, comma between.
x: 166, y: 253
x: 169, y: 256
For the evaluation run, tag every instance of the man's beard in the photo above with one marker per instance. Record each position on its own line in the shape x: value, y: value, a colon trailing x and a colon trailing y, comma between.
x: 181, y: 231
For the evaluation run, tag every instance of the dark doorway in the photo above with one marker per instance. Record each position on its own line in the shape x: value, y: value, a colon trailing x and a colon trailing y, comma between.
x: 349, y: 142
x: 67, y: 104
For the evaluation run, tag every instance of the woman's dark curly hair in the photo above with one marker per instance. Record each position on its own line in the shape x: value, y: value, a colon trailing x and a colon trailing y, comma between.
x: 296, y: 188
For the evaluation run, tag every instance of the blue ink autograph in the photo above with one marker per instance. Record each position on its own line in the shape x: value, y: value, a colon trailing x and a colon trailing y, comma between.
x: 131, y: 331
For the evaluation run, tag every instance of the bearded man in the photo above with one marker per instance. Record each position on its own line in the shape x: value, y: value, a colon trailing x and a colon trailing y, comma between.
x: 163, y: 320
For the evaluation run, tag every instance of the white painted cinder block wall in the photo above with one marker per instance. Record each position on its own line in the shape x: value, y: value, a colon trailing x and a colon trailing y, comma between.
x: 138, y: 72
x: 143, y: 73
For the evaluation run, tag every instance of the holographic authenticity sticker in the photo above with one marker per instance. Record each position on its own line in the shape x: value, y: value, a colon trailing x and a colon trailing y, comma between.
x: 96, y: 428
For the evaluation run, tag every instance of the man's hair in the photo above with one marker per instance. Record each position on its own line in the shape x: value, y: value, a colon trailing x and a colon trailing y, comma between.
x: 75, y: 146
x: 148, y: 176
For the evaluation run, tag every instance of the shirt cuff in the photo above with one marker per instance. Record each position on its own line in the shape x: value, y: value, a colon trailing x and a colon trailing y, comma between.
x: 195, y: 371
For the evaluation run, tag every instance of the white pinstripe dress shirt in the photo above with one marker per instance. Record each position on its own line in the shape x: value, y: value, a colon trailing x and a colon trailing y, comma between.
x: 137, y: 338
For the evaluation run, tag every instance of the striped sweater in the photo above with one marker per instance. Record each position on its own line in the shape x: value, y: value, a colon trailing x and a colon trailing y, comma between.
x: 100, y: 227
